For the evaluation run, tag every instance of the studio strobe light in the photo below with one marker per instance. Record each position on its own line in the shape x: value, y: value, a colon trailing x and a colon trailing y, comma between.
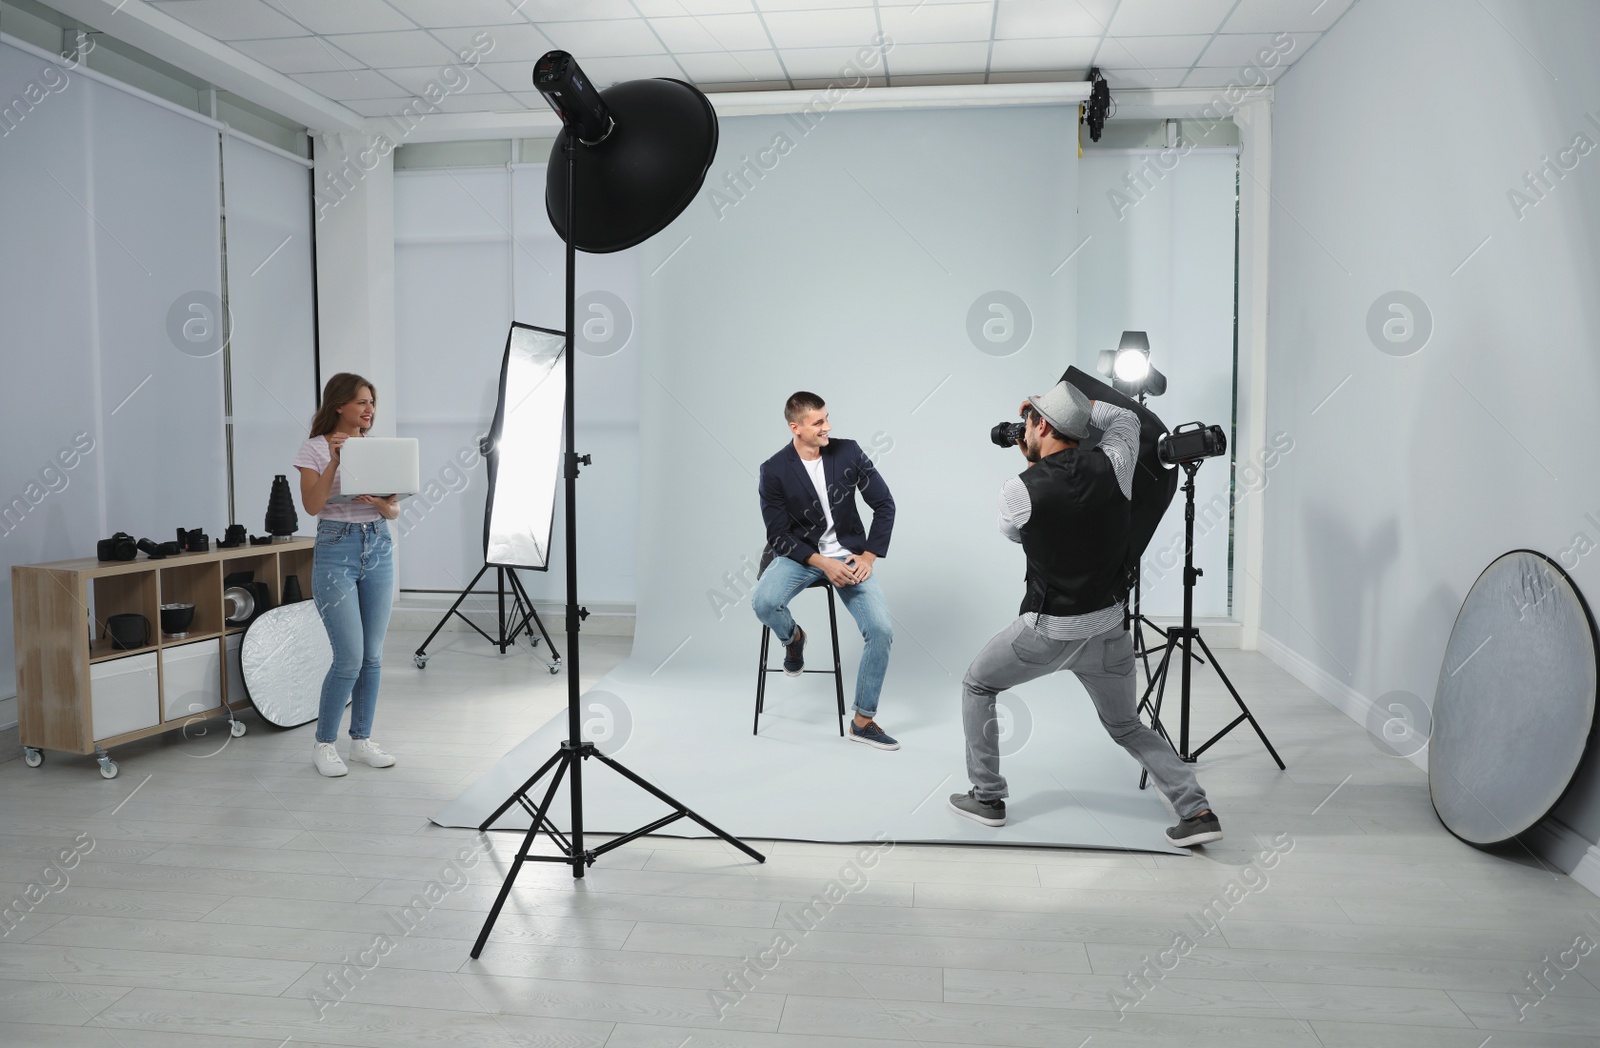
x: 627, y: 162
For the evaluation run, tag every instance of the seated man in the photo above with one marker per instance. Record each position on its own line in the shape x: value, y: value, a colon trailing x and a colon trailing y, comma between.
x: 814, y: 531
x: 1070, y: 512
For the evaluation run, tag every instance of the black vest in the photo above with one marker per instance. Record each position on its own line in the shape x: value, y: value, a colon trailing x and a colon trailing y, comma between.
x: 1076, y: 537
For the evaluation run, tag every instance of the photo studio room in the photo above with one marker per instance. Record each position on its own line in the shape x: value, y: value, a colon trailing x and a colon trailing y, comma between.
x: 766, y: 523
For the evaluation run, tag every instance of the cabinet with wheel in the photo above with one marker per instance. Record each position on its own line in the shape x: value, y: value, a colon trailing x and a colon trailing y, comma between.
x: 95, y: 670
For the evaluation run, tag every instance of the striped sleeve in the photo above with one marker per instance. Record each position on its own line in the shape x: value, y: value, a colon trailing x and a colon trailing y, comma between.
x: 1120, y: 442
x: 1015, y: 508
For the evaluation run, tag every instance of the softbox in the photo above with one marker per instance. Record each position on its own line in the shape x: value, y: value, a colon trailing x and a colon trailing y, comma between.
x: 525, y: 438
x: 1154, y: 484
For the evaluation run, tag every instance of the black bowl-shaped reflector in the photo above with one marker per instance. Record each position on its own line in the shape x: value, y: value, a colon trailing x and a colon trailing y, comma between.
x: 642, y: 176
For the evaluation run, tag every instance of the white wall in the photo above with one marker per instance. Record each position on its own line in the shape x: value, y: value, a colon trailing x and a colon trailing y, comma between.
x: 474, y: 250
x: 1411, y: 473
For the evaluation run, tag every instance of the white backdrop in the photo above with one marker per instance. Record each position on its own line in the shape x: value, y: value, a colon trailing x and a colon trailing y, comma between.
x: 474, y: 251
x: 1162, y: 261
x: 860, y: 267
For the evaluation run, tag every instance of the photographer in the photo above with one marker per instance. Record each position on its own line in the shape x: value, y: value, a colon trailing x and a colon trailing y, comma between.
x: 1070, y: 511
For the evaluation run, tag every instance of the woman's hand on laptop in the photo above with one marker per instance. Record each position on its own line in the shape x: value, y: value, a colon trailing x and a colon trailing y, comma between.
x: 334, y: 442
x: 388, y: 505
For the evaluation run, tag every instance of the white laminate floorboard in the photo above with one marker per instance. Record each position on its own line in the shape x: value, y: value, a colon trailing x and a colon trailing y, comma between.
x: 233, y: 898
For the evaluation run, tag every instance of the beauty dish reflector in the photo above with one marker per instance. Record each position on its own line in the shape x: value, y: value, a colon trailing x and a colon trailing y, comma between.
x: 1515, y: 706
x: 641, y: 175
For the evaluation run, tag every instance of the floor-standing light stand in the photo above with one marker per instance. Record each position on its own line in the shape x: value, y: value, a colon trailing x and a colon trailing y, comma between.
x: 1180, y: 639
x: 521, y: 605
x: 587, y: 119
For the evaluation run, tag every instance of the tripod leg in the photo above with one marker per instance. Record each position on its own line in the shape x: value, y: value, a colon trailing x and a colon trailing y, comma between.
x: 522, y: 854
x: 524, y: 605
x: 659, y: 795
x: 524, y: 788
x: 1158, y: 684
x: 446, y: 618
x: 1242, y: 707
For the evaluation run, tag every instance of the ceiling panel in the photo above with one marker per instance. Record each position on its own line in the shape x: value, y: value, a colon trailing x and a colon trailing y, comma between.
x: 1158, y: 17
x: 609, y: 38
x: 851, y: 27
x: 937, y: 23
x: 1293, y: 16
x: 232, y: 19
x: 712, y: 33
x: 1256, y: 49
x: 439, y: 14
x: 343, y: 16
x: 409, y: 47
x: 342, y: 48
x: 1023, y: 19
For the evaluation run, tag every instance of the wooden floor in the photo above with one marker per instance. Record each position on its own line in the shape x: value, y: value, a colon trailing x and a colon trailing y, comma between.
x: 226, y: 895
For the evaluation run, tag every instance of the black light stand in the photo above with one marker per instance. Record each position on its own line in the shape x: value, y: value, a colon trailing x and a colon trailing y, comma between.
x: 568, y: 759
x: 1182, y: 637
x: 522, y: 605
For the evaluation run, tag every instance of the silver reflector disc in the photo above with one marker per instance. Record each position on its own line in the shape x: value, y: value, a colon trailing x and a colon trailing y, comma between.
x: 1515, y: 704
x: 284, y: 657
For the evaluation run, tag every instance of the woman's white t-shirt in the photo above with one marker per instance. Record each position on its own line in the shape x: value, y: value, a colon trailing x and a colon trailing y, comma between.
x: 314, y: 454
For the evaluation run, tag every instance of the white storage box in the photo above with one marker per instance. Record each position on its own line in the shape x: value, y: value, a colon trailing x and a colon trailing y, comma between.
x: 191, y: 679
x: 124, y: 695
x: 235, y: 692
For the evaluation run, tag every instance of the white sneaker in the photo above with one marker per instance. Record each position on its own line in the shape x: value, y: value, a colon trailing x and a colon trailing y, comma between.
x: 368, y: 752
x: 326, y: 760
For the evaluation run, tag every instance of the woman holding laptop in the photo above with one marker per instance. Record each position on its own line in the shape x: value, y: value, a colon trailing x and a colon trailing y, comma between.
x: 352, y: 573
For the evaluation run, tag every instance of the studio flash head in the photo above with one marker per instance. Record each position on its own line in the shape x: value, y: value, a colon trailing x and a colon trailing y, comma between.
x: 1008, y: 434
x: 1190, y: 443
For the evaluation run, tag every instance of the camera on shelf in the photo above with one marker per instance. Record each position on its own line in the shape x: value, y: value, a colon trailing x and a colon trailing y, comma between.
x: 1008, y: 434
x: 1190, y: 443
x: 193, y: 541
x: 233, y: 538
x: 120, y: 546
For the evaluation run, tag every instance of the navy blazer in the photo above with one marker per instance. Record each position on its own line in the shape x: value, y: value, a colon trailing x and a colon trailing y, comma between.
x: 793, y: 513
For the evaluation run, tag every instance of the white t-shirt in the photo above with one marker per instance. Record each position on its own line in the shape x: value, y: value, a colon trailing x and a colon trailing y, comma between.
x: 314, y: 454
x: 829, y: 545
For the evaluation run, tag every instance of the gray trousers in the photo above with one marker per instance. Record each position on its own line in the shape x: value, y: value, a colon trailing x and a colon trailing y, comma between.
x: 1104, y: 665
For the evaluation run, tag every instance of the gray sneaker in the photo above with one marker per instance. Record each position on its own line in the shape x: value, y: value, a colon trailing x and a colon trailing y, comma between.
x: 990, y: 813
x: 1202, y: 829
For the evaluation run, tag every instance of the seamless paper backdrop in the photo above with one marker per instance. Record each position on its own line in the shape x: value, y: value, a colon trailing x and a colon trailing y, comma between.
x: 857, y: 260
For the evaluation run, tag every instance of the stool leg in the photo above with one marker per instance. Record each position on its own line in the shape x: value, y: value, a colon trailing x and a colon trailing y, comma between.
x: 838, y: 671
x: 761, y: 678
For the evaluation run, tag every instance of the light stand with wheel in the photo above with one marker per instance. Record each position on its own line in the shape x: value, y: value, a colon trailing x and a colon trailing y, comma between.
x: 1181, y: 638
x: 665, y: 130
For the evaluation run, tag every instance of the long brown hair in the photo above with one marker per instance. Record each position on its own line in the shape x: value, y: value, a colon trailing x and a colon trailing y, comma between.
x: 340, y: 390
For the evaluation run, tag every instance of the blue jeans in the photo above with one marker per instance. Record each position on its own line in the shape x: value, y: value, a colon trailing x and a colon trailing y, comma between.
x: 784, y: 579
x: 352, y: 581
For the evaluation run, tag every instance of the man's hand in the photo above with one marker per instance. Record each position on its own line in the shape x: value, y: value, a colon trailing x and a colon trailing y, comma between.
x: 860, y: 564
x: 833, y: 570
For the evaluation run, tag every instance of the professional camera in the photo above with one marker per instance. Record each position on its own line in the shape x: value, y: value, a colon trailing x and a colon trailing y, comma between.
x: 193, y: 541
x: 120, y: 546
x: 1008, y: 434
x: 1191, y: 442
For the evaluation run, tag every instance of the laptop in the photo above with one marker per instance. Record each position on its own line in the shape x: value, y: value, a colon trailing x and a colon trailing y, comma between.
x: 379, y: 466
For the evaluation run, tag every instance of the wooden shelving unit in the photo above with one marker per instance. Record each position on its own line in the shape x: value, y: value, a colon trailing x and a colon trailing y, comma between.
x: 78, y: 694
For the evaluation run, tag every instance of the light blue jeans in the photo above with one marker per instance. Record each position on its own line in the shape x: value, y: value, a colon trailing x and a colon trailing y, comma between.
x: 352, y: 581
x: 784, y: 579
